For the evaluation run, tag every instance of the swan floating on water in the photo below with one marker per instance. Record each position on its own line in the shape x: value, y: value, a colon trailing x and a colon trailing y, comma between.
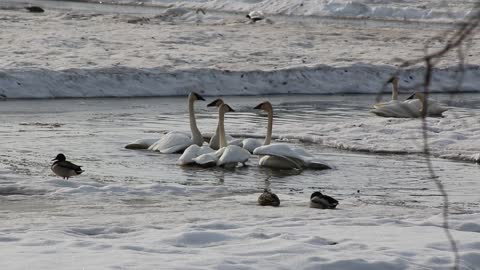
x: 214, y: 140
x: 176, y: 142
x: 248, y: 144
x: 318, y: 200
x: 267, y: 198
x: 64, y: 168
x: 255, y: 16
x: 228, y: 155
x: 394, y: 82
x: 410, y: 108
x: 283, y: 156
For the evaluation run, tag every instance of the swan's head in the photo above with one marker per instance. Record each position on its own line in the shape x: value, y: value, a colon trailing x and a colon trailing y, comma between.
x: 265, y: 106
x: 60, y: 157
x: 225, y: 108
x: 316, y: 194
x: 216, y: 103
x: 194, y: 96
x: 393, y: 79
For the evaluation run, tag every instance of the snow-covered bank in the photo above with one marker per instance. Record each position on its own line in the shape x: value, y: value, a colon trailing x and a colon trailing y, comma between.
x: 130, y: 82
x: 387, y: 10
x: 390, y: 10
x: 85, y: 54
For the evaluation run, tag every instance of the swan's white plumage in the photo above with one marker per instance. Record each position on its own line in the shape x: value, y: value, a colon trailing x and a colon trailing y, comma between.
x: 250, y: 144
x: 283, y: 156
x: 410, y: 108
x: 192, y: 152
x: 288, y: 157
x: 172, y: 142
x: 232, y: 155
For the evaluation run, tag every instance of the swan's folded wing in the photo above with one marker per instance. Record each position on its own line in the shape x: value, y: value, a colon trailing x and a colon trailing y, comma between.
x: 251, y: 144
x: 233, y: 154
x: 208, y: 159
x: 405, y: 109
x: 141, y: 144
x: 172, y: 142
x: 188, y: 155
x: 282, y: 150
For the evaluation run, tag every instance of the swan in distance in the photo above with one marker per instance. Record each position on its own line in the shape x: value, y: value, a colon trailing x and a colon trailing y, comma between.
x: 175, y: 142
x: 249, y: 144
x: 283, y: 156
x: 255, y: 16
x: 410, y: 108
x: 394, y: 82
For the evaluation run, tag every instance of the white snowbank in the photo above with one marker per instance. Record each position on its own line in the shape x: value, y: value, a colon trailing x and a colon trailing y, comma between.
x: 122, y: 55
x: 129, y: 82
x: 388, y: 10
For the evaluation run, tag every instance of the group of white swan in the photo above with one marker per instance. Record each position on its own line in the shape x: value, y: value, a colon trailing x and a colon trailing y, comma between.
x: 412, y: 107
x: 228, y: 153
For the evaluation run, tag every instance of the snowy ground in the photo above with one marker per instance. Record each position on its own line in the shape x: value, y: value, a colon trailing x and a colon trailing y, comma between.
x: 85, y: 53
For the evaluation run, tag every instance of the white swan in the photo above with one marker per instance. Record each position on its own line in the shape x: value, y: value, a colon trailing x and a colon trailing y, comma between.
x: 410, y: 108
x: 175, y: 142
x: 248, y: 144
x: 255, y: 16
x: 394, y: 82
x: 227, y: 155
x: 193, y: 151
x: 283, y: 156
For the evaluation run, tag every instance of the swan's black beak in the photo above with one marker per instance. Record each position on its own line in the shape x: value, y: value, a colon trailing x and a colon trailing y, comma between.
x: 258, y: 107
x: 199, y: 97
x: 54, y: 159
x: 391, y: 80
x: 213, y: 103
x: 229, y: 108
x: 411, y: 97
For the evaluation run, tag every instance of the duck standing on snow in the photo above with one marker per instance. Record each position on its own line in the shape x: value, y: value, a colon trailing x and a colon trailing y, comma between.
x: 318, y: 200
x: 267, y: 198
x: 255, y: 16
x: 64, y: 168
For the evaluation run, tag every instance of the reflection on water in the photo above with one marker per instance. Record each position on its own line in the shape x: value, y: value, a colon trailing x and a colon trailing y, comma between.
x: 93, y: 132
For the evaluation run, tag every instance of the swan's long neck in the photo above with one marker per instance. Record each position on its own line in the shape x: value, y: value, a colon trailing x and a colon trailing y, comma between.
x: 221, y: 129
x: 424, y: 104
x: 196, y: 135
x: 268, y: 138
x: 395, y: 90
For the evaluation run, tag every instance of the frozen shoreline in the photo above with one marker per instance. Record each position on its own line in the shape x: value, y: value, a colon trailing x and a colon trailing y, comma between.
x: 130, y: 82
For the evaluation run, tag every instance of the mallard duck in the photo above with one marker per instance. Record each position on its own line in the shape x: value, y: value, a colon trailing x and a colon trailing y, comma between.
x: 35, y: 9
x: 318, y: 200
x: 267, y: 198
x: 64, y: 168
